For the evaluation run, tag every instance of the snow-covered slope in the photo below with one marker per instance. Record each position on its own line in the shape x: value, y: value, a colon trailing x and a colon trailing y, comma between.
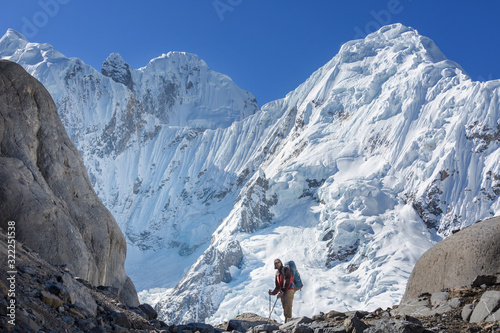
x: 356, y: 169
x: 353, y: 175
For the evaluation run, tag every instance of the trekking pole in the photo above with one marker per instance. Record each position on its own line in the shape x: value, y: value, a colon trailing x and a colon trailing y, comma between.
x: 270, y: 312
x: 269, y: 303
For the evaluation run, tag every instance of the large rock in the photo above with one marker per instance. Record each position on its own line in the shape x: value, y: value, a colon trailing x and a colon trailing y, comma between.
x: 45, y: 189
x: 79, y: 295
x: 391, y: 325
x: 488, y: 304
x: 457, y: 260
x: 247, y: 321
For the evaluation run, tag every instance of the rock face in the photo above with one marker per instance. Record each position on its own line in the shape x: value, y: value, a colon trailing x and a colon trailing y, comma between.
x: 457, y: 260
x: 45, y: 189
x: 48, y: 298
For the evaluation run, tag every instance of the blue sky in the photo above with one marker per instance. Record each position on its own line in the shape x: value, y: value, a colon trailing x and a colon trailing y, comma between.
x: 267, y: 47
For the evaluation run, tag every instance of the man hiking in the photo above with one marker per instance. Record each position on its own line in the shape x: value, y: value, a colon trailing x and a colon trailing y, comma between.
x: 284, y: 287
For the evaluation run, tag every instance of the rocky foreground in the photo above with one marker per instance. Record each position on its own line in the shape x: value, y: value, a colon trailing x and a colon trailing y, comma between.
x: 49, y: 298
x: 42, y: 297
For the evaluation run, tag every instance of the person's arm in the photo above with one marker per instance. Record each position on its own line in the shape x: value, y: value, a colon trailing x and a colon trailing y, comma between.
x: 276, y: 288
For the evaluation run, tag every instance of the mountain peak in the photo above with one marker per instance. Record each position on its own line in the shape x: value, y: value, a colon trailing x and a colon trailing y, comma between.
x: 403, y: 39
x: 183, y: 56
x: 391, y: 31
x: 13, y: 34
x: 175, y: 59
x: 117, y: 69
x: 11, y: 41
x: 114, y: 58
x: 406, y: 35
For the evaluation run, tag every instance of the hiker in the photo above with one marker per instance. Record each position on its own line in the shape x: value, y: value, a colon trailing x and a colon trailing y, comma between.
x: 284, y: 287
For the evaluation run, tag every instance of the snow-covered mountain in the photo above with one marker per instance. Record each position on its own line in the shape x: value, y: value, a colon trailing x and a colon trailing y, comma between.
x: 353, y: 175
x: 134, y: 129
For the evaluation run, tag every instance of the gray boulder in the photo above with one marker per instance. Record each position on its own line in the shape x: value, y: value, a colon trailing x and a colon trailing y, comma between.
x: 50, y: 299
x: 246, y: 321
x: 302, y: 329
x: 148, y: 311
x: 295, y: 322
x: 269, y: 328
x: 488, y: 304
x: 419, y: 307
x: 80, y: 295
x: 353, y: 324
x: 195, y: 327
x: 423, y: 306
x: 494, y: 316
x: 387, y: 325
x: 45, y: 189
x: 457, y: 260
x: 120, y: 319
x: 467, y: 312
x: 438, y: 298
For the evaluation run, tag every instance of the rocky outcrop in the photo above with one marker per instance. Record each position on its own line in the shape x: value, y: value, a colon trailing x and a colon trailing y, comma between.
x: 117, y: 69
x: 45, y: 189
x: 468, y: 305
x: 457, y: 260
x: 42, y: 297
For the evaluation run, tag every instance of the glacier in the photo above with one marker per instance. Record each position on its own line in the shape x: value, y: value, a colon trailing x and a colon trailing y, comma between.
x: 379, y: 154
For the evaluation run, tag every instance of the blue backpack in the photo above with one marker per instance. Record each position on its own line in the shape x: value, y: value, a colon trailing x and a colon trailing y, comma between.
x: 297, y: 282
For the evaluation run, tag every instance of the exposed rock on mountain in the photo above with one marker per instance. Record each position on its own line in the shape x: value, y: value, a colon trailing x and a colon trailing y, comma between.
x: 458, y: 260
x: 193, y: 294
x: 45, y: 189
x: 117, y: 69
